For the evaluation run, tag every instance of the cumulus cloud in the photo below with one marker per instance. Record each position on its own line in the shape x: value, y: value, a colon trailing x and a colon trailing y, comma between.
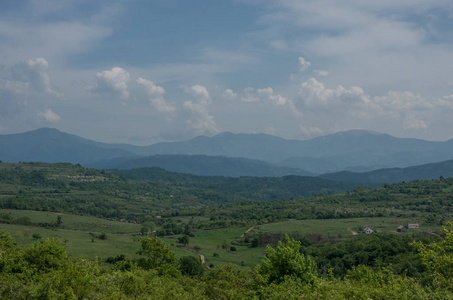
x: 113, y: 82
x: 314, y: 94
x: 33, y: 74
x: 230, y: 95
x: 200, y: 120
x: 411, y: 111
x: 26, y: 80
x: 200, y: 93
x: 267, y: 97
x: 49, y: 116
x: 249, y: 95
x: 303, y: 64
x: 268, y: 94
x: 156, y: 96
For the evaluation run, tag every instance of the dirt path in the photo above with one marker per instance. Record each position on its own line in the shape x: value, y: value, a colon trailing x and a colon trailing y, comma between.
x: 247, y: 231
x: 353, y: 232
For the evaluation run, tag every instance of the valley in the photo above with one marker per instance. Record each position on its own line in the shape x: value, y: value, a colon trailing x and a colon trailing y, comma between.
x: 380, y: 222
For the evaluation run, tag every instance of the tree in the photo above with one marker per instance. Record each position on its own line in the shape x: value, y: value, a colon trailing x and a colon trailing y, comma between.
x: 191, y: 265
x: 147, y: 227
x: 157, y: 255
x: 184, y: 240
x: 438, y: 258
x: 287, y: 261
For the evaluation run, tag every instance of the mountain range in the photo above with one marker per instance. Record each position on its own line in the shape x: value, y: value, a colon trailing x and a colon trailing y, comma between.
x: 231, y: 154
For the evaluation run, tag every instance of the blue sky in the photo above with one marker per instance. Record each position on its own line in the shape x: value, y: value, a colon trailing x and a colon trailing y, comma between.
x: 142, y: 72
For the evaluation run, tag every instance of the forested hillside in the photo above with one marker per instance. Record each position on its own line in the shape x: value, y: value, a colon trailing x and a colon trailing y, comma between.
x: 148, y: 227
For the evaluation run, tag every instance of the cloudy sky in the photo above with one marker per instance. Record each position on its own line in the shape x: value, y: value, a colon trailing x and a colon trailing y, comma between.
x: 145, y: 71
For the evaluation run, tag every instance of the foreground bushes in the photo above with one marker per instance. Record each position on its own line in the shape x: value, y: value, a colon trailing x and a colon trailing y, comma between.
x: 44, y: 271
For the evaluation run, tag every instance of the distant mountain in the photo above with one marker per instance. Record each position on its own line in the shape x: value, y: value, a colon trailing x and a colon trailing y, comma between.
x: 50, y: 145
x: 393, y: 175
x: 355, y: 150
x: 203, y: 165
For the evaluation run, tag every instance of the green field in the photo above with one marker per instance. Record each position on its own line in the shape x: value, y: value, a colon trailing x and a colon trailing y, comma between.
x: 79, y: 235
x: 339, y: 227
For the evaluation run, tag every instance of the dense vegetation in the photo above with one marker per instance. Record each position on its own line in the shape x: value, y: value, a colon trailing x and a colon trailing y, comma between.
x: 44, y: 271
x: 317, y: 247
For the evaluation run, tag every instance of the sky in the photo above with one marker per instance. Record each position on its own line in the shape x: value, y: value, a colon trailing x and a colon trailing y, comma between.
x: 148, y: 71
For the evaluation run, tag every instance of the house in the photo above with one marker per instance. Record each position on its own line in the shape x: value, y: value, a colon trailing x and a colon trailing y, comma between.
x: 401, y: 228
x: 368, y: 230
x: 413, y: 226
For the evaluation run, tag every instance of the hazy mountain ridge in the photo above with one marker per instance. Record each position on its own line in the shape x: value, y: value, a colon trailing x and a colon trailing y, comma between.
x: 394, y: 175
x: 51, y: 145
x: 355, y: 150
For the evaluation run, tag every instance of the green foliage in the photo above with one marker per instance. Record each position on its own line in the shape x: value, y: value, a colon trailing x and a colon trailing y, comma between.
x: 184, y: 240
x: 43, y: 270
x: 378, y: 250
x: 191, y: 265
x: 287, y: 261
x: 157, y: 256
x: 6, y: 240
x: 438, y: 257
x: 146, y: 228
x: 22, y: 221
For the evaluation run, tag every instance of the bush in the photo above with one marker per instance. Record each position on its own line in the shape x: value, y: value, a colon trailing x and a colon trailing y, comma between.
x: 287, y: 261
x: 191, y: 265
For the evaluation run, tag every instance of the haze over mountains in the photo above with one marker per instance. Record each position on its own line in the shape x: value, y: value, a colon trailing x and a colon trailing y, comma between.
x: 231, y: 154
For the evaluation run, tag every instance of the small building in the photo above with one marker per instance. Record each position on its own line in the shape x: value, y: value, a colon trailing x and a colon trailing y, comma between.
x: 368, y: 230
x: 401, y: 228
x: 413, y: 226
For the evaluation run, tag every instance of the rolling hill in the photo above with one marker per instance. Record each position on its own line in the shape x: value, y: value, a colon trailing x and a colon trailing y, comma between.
x: 203, y: 165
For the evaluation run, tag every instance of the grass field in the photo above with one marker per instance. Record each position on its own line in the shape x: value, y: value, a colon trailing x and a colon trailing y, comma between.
x: 79, y: 233
x: 339, y: 227
x: 211, y: 241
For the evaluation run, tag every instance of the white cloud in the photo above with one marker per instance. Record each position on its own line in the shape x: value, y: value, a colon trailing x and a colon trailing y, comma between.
x: 156, y: 96
x: 229, y: 95
x: 49, y: 116
x: 378, y: 45
x: 268, y: 94
x: 315, y: 95
x: 112, y: 82
x: 341, y: 107
x: 249, y: 95
x: 200, y: 93
x: 28, y: 81
x: 33, y: 73
x: 200, y: 120
x: 303, y: 64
